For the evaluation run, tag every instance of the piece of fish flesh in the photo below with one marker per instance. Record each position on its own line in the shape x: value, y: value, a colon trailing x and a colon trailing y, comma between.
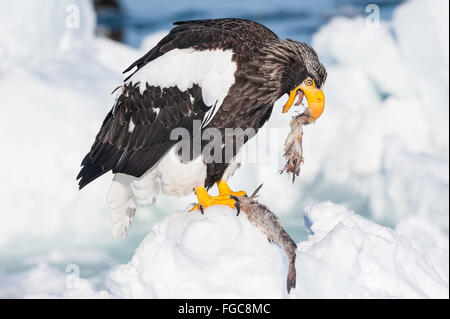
x: 293, y: 149
x: 270, y: 225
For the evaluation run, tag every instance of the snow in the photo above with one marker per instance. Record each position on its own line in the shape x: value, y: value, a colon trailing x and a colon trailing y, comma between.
x: 221, y: 255
x: 151, y: 40
x: 31, y: 36
x: 380, y: 149
x: 356, y: 258
x: 44, y: 281
x: 53, y: 116
x: 216, y: 255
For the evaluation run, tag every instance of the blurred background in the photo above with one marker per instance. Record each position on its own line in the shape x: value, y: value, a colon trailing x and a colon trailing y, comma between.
x: 131, y: 21
x: 381, y: 147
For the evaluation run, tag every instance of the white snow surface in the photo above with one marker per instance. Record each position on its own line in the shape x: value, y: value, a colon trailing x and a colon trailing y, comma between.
x: 353, y: 257
x: 221, y: 255
x: 216, y: 255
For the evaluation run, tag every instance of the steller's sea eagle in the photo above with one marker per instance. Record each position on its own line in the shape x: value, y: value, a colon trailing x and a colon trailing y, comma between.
x: 205, y: 74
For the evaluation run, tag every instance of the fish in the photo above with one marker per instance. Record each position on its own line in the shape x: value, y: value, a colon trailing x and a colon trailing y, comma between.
x: 293, y: 149
x: 269, y: 224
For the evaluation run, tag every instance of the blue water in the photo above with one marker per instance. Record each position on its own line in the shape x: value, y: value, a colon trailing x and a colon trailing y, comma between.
x: 288, y: 18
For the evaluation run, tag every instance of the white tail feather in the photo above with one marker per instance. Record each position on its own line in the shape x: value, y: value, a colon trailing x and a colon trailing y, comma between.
x: 121, y: 205
x: 146, y: 189
x: 170, y: 176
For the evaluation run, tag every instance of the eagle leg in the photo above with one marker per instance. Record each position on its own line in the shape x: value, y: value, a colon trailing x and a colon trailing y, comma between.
x: 205, y: 200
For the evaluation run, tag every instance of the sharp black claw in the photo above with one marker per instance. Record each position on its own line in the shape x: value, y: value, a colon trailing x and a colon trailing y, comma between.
x: 201, y: 209
x: 237, y: 204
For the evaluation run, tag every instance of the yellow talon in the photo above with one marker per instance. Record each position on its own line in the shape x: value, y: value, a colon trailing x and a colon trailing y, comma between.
x: 224, y: 189
x: 226, y: 197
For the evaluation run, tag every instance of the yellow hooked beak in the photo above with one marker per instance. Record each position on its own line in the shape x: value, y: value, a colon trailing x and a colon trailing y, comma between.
x: 315, y: 97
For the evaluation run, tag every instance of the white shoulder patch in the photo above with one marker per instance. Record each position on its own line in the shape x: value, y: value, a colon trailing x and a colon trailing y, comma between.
x: 212, y: 70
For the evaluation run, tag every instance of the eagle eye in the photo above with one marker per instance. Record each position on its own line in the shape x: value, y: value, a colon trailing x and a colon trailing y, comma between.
x: 309, y: 82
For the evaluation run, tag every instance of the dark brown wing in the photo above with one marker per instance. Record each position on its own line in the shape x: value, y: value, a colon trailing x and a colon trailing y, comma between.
x: 135, y: 135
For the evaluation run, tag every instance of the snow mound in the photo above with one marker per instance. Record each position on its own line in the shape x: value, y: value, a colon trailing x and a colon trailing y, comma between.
x: 219, y: 255
x: 348, y: 256
x: 215, y: 255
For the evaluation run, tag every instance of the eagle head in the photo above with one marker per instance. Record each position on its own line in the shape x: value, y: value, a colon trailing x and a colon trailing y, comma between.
x: 298, y: 73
